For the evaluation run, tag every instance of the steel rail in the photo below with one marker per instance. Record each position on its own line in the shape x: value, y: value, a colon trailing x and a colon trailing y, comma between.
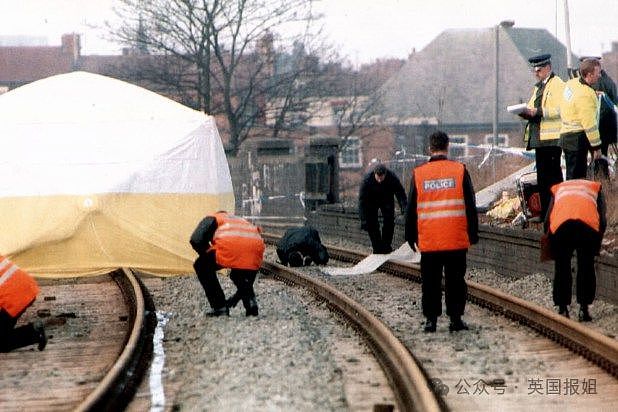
x: 410, y: 385
x: 594, y: 346
x: 114, y: 391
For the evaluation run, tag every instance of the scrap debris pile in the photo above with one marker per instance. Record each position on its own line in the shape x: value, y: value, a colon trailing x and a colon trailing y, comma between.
x: 506, y: 210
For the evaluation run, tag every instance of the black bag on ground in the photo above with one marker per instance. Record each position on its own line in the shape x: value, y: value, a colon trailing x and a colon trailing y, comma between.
x: 300, y: 246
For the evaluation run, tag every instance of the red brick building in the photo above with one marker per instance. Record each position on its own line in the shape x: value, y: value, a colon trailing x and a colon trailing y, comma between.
x: 25, y: 64
x: 447, y: 85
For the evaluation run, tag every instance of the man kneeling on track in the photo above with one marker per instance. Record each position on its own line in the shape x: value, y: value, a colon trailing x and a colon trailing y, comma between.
x: 300, y: 246
x: 17, y: 292
x: 226, y: 241
x: 575, y: 221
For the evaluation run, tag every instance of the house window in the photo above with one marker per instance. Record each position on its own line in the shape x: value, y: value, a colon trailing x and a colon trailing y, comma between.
x: 339, y: 108
x: 350, y: 154
x: 503, y: 140
x: 458, y: 146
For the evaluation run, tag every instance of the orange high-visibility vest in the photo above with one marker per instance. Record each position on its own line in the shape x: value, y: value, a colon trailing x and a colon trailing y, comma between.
x: 17, y: 288
x: 442, y: 223
x: 237, y: 243
x: 575, y: 200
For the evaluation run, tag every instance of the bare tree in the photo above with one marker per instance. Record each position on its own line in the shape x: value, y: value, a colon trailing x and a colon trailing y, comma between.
x: 225, y: 46
x: 359, y: 113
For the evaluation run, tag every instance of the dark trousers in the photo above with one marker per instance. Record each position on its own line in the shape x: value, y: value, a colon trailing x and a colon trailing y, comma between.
x: 381, y: 240
x: 607, y: 130
x: 574, y: 236
x: 12, y: 337
x: 576, y: 155
x: 455, y: 289
x: 206, y: 269
x: 548, y: 173
x: 605, y: 148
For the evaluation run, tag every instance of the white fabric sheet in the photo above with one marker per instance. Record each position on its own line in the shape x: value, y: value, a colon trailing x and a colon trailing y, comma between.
x: 372, y: 262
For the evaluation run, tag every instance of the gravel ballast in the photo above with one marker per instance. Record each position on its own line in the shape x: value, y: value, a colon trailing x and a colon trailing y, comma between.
x: 296, y: 356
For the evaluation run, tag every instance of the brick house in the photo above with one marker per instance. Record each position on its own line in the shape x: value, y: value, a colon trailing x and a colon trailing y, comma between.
x: 20, y: 65
x: 447, y: 85
x: 452, y: 80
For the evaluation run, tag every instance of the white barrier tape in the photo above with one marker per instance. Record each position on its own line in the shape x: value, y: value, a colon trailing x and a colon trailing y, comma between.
x: 157, y: 392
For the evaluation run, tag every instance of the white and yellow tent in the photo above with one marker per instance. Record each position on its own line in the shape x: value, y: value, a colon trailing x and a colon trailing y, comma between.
x: 96, y: 174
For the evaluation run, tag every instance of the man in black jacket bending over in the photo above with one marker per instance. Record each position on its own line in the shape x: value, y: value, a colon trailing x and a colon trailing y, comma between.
x: 300, y: 246
x: 376, y: 193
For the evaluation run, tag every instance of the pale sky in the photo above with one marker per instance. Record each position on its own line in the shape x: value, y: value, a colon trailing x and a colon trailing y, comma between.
x: 362, y: 30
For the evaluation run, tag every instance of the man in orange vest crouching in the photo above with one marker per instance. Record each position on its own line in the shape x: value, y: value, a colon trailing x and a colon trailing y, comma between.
x: 441, y: 219
x: 18, y: 290
x: 575, y: 221
x: 226, y: 241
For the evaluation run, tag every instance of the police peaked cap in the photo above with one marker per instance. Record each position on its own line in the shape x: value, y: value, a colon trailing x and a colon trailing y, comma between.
x: 540, y: 60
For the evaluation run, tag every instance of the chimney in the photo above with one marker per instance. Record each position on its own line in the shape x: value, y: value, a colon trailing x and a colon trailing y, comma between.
x: 71, y: 45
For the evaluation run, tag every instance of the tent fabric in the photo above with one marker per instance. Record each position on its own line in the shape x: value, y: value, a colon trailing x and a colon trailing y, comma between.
x: 99, y: 174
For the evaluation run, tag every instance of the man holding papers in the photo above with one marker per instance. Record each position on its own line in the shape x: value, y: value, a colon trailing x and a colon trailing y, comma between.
x: 543, y: 129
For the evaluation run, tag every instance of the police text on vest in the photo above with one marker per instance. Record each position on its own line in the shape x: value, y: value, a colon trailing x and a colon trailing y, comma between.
x: 438, y: 184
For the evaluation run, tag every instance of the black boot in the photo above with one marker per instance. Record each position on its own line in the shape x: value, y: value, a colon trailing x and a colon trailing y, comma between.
x: 251, y: 306
x: 307, y: 260
x: 430, y: 325
x: 584, y: 316
x: 563, y: 310
x: 457, y: 324
x: 41, y: 338
x: 233, y: 301
x: 224, y: 311
x: 295, y: 259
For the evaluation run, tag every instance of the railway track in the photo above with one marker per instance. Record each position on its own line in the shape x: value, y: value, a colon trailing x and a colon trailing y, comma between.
x: 580, y: 340
x: 88, y: 323
x: 410, y: 385
x: 99, y: 342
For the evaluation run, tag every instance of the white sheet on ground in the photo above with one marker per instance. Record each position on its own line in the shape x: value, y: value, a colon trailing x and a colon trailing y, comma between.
x: 372, y: 262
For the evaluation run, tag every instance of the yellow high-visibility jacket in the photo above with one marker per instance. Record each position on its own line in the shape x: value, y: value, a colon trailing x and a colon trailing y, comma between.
x: 550, y: 104
x: 579, y: 110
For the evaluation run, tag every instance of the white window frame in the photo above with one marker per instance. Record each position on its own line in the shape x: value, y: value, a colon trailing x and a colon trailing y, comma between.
x: 352, y: 143
x: 459, y: 145
x: 489, y: 139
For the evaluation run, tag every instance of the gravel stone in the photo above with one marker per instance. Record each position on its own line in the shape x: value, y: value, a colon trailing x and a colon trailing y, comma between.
x: 297, y: 356
x: 288, y: 358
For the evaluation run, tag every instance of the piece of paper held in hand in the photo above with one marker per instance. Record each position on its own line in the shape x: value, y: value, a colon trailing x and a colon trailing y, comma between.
x: 516, y: 108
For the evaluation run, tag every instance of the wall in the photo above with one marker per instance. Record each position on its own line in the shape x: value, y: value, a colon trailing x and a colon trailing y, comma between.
x: 510, y: 252
x: 267, y: 185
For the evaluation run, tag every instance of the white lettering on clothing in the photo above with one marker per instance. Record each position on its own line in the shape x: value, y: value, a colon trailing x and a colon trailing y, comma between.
x: 438, y: 184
